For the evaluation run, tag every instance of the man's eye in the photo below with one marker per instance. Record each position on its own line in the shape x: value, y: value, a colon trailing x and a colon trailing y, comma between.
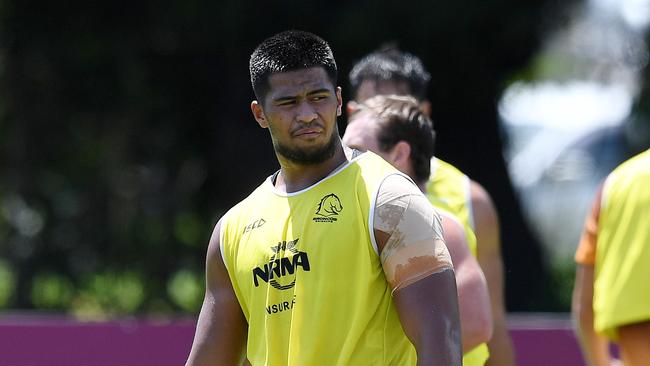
x: 286, y: 103
x: 316, y: 98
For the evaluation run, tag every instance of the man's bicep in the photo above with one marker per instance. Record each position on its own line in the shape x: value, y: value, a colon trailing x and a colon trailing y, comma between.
x: 221, y: 329
x: 419, y: 270
x: 428, y: 311
x: 583, y: 294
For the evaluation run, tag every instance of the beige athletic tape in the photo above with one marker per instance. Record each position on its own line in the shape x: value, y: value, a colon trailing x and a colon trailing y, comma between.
x: 415, y: 248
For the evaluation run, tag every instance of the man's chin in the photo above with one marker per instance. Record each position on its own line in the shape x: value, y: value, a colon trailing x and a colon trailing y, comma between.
x: 308, y: 155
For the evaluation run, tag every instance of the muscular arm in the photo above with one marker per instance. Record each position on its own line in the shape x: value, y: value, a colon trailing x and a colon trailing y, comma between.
x: 431, y: 321
x: 486, y: 225
x: 419, y: 270
x: 221, y: 330
x: 595, y: 347
x: 473, y: 298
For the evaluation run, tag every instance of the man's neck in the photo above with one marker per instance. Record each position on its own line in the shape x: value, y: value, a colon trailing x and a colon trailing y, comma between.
x: 294, y: 177
x: 408, y: 169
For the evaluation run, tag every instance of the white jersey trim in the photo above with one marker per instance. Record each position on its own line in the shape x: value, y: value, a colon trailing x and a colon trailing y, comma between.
x: 268, y: 183
x: 221, y: 239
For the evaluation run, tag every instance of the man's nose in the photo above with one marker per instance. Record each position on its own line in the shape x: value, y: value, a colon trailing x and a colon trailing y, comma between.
x: 306, y: 112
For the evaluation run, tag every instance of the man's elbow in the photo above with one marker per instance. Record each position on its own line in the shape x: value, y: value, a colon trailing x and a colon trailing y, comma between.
x: 476, y: 311
x: 486, y: 327
x: 479, y: 332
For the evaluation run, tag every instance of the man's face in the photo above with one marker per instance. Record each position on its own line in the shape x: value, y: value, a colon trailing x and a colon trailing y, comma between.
x: 361, y: 133
x: 300, y: 110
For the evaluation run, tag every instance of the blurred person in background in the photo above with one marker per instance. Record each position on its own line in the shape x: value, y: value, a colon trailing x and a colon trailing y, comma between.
x: 611, y: 298
x: 396, y: 129
x: 337, y: 258
x: 392, y: 71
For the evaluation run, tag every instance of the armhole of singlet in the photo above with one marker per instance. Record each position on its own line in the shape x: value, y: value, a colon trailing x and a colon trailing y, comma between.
x: 221, y: 239
x: 371, y: 217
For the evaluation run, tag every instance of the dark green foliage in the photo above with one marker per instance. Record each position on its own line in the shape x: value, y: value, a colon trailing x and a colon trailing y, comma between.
x: 125, y: 133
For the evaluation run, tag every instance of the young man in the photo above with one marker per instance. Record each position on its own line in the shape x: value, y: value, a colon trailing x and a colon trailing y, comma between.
x: 396, y: 129
x: 611, y: 297
x: 391, y: 71
x: 336, y: 259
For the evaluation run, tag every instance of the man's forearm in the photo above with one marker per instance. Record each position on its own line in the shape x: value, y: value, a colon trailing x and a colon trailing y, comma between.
x: 595, y: 348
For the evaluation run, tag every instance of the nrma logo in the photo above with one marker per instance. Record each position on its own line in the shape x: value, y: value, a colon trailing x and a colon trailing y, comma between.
x: 277, y: 268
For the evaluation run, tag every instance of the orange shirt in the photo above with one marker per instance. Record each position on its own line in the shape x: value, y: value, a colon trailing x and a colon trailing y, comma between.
x: 586, y: 252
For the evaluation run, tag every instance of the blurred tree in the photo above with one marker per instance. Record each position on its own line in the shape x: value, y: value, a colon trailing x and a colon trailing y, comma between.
x: 126, y: 132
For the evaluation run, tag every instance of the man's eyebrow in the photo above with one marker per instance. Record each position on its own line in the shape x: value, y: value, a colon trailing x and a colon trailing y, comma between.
x: 286, y: 98
x: 319, y: 91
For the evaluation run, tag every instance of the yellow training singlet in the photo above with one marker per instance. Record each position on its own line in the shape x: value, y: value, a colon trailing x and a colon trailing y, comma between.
x: 448, y: 189
x: 622, y: 269
x: 306, y: 272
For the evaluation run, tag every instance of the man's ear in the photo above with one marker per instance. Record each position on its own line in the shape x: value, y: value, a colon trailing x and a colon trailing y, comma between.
x: 258, y: 113
x: 339, y: 101
x: 401, y: 153
x: 425, y: 107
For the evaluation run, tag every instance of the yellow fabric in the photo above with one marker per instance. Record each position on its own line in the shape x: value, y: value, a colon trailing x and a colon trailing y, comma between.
x: 477, y: 356
x: 326, y: 301
x: 449, y: 189
x: 622, y: 269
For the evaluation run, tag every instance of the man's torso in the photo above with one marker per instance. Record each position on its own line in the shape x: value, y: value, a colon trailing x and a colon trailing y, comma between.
x: 307, y: 274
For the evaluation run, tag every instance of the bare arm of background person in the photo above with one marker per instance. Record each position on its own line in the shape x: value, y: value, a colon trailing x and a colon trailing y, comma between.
x: 595, y: 347
x: 473, y: 297
x: 419, y: 270
x: 486, y: 224
x: 220, y: 337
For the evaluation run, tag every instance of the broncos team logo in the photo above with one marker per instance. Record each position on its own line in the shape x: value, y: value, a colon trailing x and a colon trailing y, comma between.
x: 329, y: 206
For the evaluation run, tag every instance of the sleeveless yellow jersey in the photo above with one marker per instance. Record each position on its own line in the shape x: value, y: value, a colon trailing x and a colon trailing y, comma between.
x: 448, y: 189
x: 306, y: 272
x: 622, y: 268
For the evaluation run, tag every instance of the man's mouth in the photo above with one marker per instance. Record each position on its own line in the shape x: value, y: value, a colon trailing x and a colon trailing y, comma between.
x: 308, y: 132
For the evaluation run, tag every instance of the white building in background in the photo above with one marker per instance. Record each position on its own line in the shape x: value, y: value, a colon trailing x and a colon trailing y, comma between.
x: 567, y: 129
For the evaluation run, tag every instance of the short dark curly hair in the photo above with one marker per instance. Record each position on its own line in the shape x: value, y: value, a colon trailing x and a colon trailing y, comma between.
x: 289, y: 51
x: 389, y: 63
x: 401, y: 119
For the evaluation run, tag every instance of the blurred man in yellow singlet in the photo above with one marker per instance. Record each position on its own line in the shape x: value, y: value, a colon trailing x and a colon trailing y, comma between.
x: 337, y: 258
x: 611, y: 297
x: 395, y: 128
x: 391, y: 71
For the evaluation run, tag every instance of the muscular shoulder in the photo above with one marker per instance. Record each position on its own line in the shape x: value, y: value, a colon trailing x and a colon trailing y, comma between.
x: 409, y: 233
x: 483, y: 208
x: 395, y: 186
